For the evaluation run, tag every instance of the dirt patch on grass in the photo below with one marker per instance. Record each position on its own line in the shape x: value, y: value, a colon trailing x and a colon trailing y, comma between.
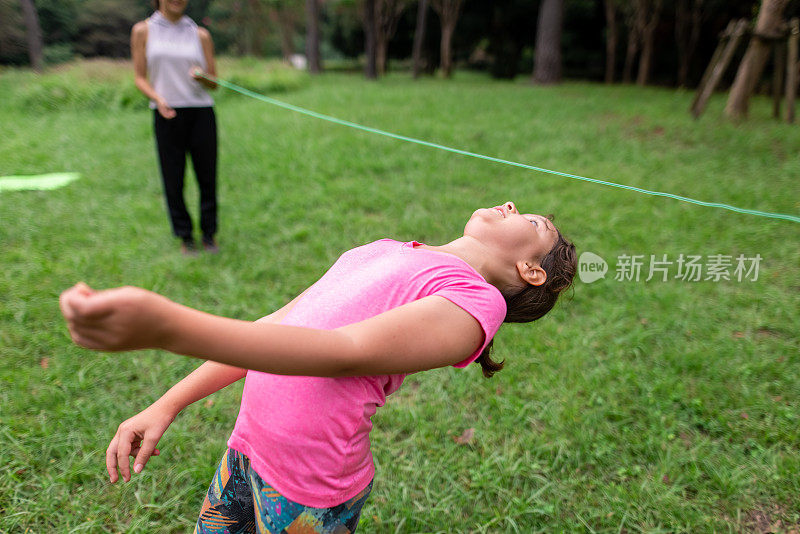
x: 768, y: 520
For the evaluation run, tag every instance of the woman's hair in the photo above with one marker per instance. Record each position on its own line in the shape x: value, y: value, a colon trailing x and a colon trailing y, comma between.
x: 533, y: 302
x: 156, y: 4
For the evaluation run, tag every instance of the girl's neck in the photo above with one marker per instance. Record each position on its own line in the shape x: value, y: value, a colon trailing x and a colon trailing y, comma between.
x: 476, y: 255
x: 169, y: 16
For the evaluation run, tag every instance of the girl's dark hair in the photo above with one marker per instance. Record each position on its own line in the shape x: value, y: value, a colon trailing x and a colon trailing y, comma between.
x: 156, y: 4
x: 533, y: 302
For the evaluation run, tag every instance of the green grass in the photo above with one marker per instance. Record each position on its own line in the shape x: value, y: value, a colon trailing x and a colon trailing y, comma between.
x: 633, y: 407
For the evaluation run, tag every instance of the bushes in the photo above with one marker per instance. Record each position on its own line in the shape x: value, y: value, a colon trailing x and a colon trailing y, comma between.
x: 108, y: 84
x: 262, y: 76
x: 94, y: 84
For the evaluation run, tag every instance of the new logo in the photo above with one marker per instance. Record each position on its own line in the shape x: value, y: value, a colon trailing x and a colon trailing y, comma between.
x: 591, y: 267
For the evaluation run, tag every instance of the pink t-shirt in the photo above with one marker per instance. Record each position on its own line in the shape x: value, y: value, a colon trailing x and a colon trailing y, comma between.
x: 308, y: 437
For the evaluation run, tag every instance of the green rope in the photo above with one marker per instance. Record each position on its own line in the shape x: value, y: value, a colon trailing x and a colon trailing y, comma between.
x: 257, y: 96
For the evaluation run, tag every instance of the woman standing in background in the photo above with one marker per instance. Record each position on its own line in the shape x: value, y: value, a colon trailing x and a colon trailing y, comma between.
x: 170, y: 56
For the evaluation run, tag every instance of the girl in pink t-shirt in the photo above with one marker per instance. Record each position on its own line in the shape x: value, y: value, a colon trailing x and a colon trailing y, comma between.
x: 317, y: 369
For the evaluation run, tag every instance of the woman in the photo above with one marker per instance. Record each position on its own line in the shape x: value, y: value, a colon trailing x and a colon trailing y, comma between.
x: 316, y: 370
x: 171, y: 54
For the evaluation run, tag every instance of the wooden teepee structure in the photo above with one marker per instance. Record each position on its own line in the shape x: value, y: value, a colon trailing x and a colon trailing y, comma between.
x: 784, y: 45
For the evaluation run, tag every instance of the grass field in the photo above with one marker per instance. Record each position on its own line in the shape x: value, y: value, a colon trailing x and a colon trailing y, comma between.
x: 659, y: 406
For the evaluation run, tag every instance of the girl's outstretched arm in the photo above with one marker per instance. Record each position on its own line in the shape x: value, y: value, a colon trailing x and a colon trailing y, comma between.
x: 139, y: 435
x: 428, y: 333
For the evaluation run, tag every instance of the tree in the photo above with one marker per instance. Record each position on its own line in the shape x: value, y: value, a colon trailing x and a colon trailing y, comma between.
x: 104, y: 28
x: 387, y: 15
x: 634, y: 40
x: 448, y: 11
x: 642, y: 18
x: 768, y: 25
x: 34, y: 33
x: 649, y: 13
x: 419, y: 37
x: 688, y: 18
x: 370, y: 48
x: 284, y: 15
x: 312, y: 37
x: 611, y: 39
x: 509, y: 33
x: 547, y: 56
x: 12, y: 34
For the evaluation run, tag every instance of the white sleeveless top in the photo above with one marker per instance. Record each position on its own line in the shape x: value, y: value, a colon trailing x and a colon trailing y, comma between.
x: 172, y: 50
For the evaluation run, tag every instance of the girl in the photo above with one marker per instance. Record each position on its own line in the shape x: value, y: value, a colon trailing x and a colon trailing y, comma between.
x: 318, y: 368
x: 170, y: 53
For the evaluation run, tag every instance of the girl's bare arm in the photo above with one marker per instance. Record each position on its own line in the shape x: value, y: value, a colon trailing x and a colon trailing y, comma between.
x: 425, y: 334
x: 139, y: 435
x: 211, y: 376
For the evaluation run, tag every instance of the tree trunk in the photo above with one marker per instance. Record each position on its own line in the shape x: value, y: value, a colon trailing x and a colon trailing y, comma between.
x: 547, y: 56
x: 35, y: 45
x: 650, y: 13
x: 387, y: 15
x: 728, y: 43
x: 611, y: 39
x: 768, y: 24
x: 448, y: 11
x: 312, y: 37
x: 687, y: 34
x: 242, y: 18
x: 445, y: 46
x: 632, y: 49
x: 256, y: 22
x: 285, y: 23
x: 370, y: 48
x: 381, y: 49
x: 791, y: 68
x: 419, y: 36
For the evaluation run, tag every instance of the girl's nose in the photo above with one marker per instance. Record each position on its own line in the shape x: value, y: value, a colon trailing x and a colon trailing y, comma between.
x: 511, y: 207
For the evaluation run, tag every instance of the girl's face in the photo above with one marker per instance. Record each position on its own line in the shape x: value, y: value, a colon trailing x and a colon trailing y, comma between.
x: 513, y: 235
x: 173, y: 7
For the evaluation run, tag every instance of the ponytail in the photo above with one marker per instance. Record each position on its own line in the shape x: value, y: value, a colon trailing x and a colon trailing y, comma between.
x: 488, y: 365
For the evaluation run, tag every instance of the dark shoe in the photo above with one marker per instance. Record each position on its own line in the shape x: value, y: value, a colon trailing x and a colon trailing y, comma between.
x: 188, y: 247
x: 210, y: 246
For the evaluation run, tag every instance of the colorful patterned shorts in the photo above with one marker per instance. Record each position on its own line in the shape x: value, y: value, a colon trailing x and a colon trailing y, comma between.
x: 239, y: 501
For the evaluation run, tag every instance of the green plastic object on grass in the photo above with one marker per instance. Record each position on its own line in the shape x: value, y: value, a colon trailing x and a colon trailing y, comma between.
x: 37, y: 182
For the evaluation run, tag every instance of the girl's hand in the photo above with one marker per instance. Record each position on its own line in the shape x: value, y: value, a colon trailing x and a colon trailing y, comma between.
x: 125, y: 318
x: 165, y: 110
x: 137, y: 437
x: 196, y: 73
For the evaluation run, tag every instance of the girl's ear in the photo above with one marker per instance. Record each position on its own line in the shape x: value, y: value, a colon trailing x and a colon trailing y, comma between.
x: 532, y: 273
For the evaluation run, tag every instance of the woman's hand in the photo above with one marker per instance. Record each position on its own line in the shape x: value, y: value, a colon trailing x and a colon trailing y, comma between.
x: 137, y: 437
x: 125, y: 318
x: 203, y: 78
x: 165, y: 110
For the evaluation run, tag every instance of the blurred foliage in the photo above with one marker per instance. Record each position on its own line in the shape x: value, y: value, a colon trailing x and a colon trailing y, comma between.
x: 104, y: 27
x: 108, y: 84
x: 12, y: 34
x: 496, y: 36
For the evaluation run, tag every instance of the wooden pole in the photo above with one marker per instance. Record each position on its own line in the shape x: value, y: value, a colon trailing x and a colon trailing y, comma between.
x: 723, y: 39
x: 791, y: 68
x: 718, y: 69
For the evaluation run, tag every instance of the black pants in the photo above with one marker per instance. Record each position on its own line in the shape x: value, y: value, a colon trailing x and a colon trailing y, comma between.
x: 192, y: 130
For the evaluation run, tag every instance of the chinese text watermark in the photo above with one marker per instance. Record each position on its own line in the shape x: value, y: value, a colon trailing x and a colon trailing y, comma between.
x: 662, y: 267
